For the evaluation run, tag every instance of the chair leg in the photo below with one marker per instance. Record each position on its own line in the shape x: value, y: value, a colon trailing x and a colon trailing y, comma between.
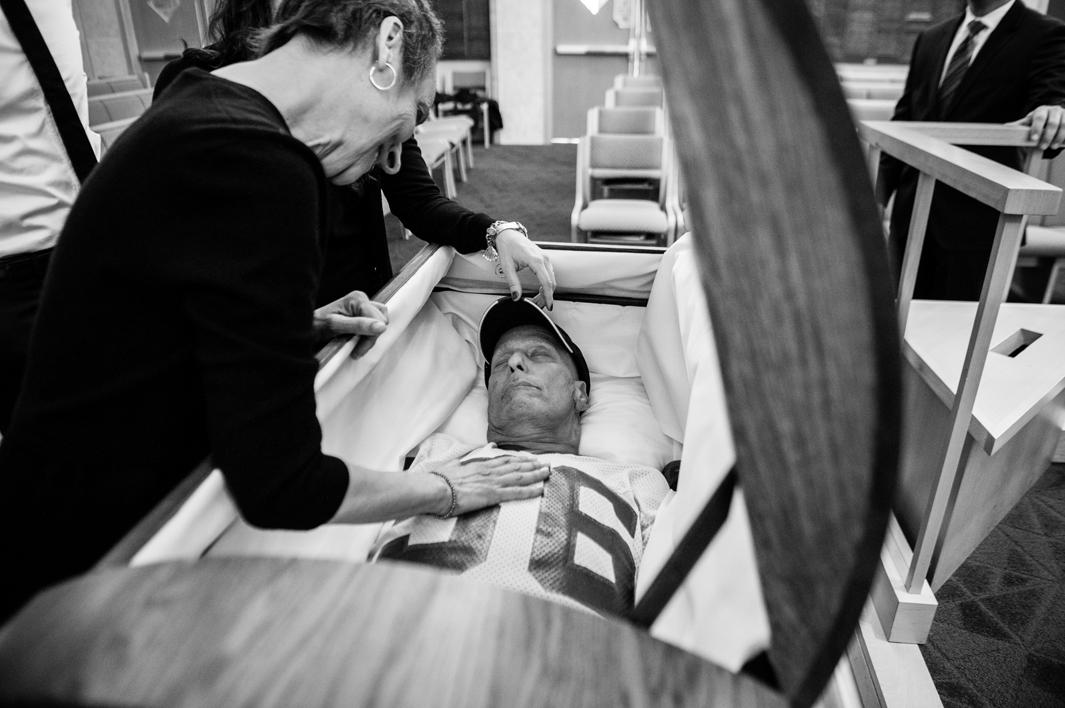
x: 449, y: 177
x: 462, y: 161
x: 484, y: 123
x: 1055, y: 271
x: 469, y: 149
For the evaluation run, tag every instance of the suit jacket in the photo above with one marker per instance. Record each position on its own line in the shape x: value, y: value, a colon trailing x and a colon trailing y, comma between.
x: 1020, y: 67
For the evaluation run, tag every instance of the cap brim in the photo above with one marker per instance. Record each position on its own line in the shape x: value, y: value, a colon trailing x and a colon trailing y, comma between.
x: 505, y: 314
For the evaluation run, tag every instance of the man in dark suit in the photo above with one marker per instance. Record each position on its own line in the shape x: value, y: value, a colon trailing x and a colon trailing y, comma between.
x: 1000, y: 62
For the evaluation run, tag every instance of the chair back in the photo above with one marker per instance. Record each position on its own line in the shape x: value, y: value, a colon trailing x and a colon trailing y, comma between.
x: 477, y: 80
x: 118, y: 106
x: 638, y: 158
x: 637, y: 120
x: 646, y: 81
x: 109, y: 132
x: 625, y: 152
x: 870, y: 108
x: 102, y: 87
x: 473, y: 80
x: 634, y: 97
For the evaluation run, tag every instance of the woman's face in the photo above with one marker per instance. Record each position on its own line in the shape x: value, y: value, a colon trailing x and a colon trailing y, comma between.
x: 373, y: 130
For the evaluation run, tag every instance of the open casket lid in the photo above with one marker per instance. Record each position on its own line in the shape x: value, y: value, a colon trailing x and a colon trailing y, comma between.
x: 796, y: 276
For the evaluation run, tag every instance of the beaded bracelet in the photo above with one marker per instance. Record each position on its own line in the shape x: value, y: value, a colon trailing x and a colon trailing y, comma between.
x: 454, y: 497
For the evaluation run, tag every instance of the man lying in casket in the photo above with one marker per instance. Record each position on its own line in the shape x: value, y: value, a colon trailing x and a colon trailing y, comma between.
x: 582, y: 541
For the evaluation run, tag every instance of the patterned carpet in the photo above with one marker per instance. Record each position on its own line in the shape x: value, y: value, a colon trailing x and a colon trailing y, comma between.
x: 999, y: 635
x: 533, y: 184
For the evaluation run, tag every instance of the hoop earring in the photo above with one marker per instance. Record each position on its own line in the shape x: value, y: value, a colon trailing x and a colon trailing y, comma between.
x: 378, y: 86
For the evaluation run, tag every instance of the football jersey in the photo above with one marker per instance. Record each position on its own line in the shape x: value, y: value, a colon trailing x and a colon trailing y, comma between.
x: 580, y: 543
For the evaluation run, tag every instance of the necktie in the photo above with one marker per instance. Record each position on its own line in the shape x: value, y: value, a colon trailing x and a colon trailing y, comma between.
x: 958, y: 64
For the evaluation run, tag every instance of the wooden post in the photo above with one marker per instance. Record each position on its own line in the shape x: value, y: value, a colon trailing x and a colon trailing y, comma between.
x: 996, y: 284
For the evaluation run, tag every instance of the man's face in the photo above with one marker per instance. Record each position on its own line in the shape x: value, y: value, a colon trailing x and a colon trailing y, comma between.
x: 533, y: 380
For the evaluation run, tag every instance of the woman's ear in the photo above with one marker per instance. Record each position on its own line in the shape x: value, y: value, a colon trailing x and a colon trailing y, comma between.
x: 389, y: 41
x: 580, y: 396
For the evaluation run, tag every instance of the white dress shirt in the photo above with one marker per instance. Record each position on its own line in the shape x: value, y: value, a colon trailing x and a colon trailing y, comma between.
x: 37, y: 181
x: 990, y: 21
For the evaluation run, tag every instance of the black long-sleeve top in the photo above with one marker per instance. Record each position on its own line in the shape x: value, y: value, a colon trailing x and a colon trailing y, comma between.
x: 176, y: 322
x: 356, y: 246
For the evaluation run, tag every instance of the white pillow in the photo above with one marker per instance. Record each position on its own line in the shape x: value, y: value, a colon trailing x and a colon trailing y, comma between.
x: 619, y: 424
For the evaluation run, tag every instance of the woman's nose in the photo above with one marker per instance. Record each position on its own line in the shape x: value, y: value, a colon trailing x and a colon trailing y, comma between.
x: 390, y: 159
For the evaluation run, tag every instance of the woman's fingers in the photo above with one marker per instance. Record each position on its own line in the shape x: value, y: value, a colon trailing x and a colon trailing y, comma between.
x: 510, y: 273
x: 528, y: 492
x: 485, y: 482
x: 355, y: 314
x: 356, y: 326
x: 545, y: 273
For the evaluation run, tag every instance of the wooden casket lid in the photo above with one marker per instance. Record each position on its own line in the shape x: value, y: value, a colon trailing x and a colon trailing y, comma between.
x: 282, y: 632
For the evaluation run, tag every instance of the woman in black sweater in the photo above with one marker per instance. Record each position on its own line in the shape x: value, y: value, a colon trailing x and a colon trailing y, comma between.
x: 177, y: 320
x: 356, y: 250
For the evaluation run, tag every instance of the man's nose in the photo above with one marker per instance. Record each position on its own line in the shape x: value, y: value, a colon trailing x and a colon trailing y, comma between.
x: 516, y: 362
x: 390, y: 159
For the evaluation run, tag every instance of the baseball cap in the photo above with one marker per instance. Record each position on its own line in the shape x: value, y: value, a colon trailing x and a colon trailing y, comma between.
x: 505, y: 314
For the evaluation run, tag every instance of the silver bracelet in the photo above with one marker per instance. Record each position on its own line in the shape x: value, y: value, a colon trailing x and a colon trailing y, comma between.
x: 454, y: 497
x: 490, y: 253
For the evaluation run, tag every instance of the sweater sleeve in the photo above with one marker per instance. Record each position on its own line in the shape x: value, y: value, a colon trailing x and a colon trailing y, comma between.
x: 414, y: 197
x: 246, y: 274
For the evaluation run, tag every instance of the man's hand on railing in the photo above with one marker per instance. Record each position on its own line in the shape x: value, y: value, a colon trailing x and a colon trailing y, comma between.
x: 1046, y: 126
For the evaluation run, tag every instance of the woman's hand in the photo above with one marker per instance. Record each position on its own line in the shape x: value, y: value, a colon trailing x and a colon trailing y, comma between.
x: 517, y: 252
x: 354, y: 314
x: 486, y: 482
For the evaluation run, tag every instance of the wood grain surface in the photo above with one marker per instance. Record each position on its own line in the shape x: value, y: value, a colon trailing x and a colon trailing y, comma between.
x: 276, y: 632
x: 796, y: 276
x: 1004, y: 188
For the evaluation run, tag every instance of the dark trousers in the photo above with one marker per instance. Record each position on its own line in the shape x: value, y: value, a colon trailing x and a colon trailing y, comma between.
x: 946, y: 274
x: 21, y: 279
x: 943, y: 274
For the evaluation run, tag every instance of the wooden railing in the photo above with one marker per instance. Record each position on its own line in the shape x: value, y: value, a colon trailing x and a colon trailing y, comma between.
x: 932, y: 148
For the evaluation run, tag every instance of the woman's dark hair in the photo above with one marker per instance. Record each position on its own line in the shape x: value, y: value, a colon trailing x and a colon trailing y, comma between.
x: 232, y: 26
x: 349, y: 23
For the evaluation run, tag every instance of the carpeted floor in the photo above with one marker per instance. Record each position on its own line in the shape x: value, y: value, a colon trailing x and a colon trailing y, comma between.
x: 533, y: 184
x: 999, y: 635
x: 998, y: 640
